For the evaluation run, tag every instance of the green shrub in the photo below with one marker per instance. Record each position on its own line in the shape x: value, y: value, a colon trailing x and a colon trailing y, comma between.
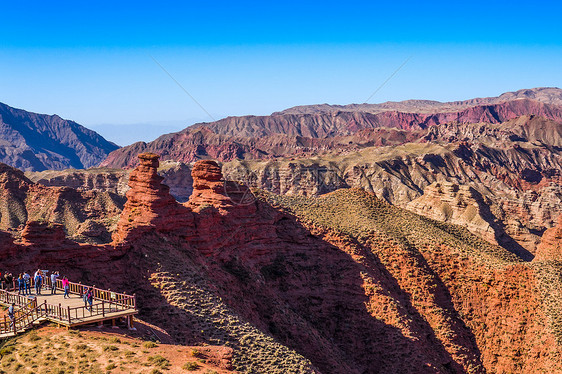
x: 159, y: 361
x: 191, y: 366
x: 149, y: 345
x: 110, y: 366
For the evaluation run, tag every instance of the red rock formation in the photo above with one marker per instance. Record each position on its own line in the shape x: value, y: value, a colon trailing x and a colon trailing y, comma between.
x: 208, y: 186
x: 7, y: 247
x: 347, y: 280
x: 79, y: 211
x: 40, y: 233
x: 149, y: 204
x: 550, y: 247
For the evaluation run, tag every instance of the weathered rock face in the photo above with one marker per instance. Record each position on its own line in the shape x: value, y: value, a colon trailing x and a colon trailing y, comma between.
x: 461, y: 205
x: 87, y: 216
x: 43, y: 234
x: 149, y: 204
x: 512, y: 165
x: 290, y: 134
x: 100, y: 179
x: 7, y: 247
x: 351, y: 283
x: 177, y: 176
x: 550, y: 247
x: 208, y: 186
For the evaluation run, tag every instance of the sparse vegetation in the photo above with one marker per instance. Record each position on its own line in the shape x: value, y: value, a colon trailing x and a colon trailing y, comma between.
x: 149, y: 344
x: 88, y: 352
x: 158, y: 360
x: 191, y: 366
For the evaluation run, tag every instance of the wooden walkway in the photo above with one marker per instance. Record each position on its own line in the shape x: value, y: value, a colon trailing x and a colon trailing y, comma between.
x: 34, y: 309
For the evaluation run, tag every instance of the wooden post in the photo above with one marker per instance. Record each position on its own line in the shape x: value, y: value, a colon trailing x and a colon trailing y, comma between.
x: 130, y: 323
x: 102, y: 309
x: 69, y: 320
x: 60, y: 311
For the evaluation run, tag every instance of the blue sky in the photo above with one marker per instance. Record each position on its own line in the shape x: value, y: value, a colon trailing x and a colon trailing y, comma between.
x: 91, y: 62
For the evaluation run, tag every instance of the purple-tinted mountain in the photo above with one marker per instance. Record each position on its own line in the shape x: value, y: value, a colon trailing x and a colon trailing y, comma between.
x: 36, y: 142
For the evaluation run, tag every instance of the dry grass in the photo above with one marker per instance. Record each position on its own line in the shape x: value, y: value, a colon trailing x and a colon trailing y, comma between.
x: 361, y: 215
x: 51, y: 350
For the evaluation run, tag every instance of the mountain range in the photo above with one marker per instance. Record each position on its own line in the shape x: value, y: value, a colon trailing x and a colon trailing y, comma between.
x: 411, y: 237
x: 35, y: 142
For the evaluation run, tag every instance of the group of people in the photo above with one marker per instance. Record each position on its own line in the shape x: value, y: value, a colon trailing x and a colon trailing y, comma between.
x: 24, y: 281
x: 23, y: 285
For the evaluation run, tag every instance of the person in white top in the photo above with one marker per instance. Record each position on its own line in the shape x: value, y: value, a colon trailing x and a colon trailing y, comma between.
x: 54, y: 277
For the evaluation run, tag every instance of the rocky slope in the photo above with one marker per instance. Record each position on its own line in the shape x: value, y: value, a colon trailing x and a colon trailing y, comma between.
x: 461, y: 205
x: 518, y: 177
x: 514, y: 168
x: 99, y: 179
x: 550, y: 247
x: 344, y: 283
x: 36, y: 142
x: 508, y: 149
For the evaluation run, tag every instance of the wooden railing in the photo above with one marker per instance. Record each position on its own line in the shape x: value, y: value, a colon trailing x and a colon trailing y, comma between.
x: 99, y: 294
x: 24, y: 318
x: 79, y: 289
x: 105, y: 301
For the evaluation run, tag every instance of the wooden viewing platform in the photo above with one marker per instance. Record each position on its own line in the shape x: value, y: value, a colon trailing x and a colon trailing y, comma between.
x: 34, y: 309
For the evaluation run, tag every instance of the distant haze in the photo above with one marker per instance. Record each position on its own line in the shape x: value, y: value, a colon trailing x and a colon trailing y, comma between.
x: 126, y: 134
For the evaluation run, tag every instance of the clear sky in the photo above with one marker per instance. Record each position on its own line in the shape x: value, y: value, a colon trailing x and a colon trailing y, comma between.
x: 92, y: 62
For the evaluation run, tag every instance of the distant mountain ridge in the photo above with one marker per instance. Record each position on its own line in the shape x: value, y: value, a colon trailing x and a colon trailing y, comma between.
x: 312, y: 129
x: 36, y: 142
x: 546, y: 95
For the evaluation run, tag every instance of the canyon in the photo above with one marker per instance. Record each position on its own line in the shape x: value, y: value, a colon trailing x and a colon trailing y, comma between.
x: 341, y: 283
x: 410, y: 237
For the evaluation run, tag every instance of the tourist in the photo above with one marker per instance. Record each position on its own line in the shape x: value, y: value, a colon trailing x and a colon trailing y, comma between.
x: 54, y: 277
x: 90, y: 297
x: 21, y: 285
x: 27, y: 281
x: 38, y: 279
x: 66, y: 286
x: 12, y: 314
x: 3, y: 279
x: 85, y: 296
x: 9, y: 281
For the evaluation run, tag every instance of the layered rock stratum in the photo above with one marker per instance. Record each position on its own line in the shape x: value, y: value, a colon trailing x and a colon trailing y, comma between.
x: 507, y: 149
x: 87, y: 216
x: 550, y: 247
x: 341, y: 283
